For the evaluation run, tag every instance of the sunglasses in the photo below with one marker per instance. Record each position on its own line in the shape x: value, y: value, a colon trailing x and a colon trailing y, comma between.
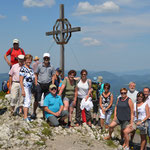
x: 46, y: 58
x: 106, y: 88
x: 140, y: 96
x: 53, y: 89
x: 83, y: 74
x: 123, y: 93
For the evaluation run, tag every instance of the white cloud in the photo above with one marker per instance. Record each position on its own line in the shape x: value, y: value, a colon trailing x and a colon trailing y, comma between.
x: 124, y: 2
x: 2, y: 17
x: 38, y: 3
x: 24, y: 18
x: 88, y: 41
x: 86, y: 8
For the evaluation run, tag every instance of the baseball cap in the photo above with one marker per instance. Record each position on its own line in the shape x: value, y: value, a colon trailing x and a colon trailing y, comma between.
x: 52, y: 86
x: 46, y: 55
x: 20, y: 56
x: 16, y: 41
x: 59, y: 69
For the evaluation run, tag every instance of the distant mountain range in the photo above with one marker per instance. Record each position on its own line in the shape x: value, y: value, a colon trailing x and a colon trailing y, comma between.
x: 116, y: 81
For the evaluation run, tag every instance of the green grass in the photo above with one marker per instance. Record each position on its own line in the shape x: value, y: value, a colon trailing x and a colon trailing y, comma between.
x: 20, y: 137
x: 27, y: 131
x: 2, y: 95
x: 45, y: 125
x: 47, y: 132
x: 40, y: 143
x: 111, y: 143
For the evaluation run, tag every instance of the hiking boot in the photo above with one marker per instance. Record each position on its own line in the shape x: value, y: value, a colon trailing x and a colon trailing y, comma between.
x: 33, y: 116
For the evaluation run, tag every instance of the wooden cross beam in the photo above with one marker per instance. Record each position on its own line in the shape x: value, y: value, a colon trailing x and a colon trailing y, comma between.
x: 62, y: 33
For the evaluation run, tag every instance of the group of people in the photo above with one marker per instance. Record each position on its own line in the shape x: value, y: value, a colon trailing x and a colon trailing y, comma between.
x: 64, y: 94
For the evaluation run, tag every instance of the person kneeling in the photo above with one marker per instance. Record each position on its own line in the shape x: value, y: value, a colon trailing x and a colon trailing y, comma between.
x: 53, y: 107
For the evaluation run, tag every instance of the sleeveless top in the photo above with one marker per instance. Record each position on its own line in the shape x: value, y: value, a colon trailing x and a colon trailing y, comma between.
x: 106, y: 101
x: 141, y: 111
x: 83, y: 88
x: 69, y: 89
x: 123, y: 110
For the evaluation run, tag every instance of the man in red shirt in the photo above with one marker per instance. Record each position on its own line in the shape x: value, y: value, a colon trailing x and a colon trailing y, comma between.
x: 14, y: 52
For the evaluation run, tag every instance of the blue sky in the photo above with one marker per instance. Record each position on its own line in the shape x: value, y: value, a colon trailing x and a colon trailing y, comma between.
x: 115, y: 35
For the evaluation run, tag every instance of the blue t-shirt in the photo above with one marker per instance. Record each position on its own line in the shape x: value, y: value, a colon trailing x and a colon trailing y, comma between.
x: 28, y: 75
x: 53, y: 104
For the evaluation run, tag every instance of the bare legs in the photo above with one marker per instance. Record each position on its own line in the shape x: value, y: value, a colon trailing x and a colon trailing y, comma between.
x: 25, y: 109
x: 111, y: 129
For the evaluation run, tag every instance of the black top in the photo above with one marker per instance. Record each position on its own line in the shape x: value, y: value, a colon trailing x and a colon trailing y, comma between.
x: 123, y: 110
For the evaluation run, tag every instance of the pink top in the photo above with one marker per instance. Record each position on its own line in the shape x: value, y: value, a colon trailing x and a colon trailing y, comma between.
x: 14, y: 72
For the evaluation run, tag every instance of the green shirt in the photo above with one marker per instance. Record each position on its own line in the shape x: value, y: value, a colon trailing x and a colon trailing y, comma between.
x: 69, y: 89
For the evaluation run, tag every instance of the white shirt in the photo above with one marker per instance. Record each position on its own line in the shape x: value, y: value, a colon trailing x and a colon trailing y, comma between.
x: 83, y: 88
x: 132, y: 95
x: 88, y: 105
x: 141, y: 111
x: 148, y: 102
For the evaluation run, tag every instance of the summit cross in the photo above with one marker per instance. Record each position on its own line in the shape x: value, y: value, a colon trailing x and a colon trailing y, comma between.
x: 62, y: 32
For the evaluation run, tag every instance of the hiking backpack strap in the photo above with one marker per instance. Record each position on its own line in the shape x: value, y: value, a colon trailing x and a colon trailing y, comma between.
x: 13, y: 48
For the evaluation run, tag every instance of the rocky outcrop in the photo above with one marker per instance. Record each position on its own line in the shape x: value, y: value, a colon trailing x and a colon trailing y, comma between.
x: 16, y: 134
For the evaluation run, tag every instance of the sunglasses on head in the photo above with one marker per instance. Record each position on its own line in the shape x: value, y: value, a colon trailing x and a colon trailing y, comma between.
x: 53, y: 88
x: 123, y: 93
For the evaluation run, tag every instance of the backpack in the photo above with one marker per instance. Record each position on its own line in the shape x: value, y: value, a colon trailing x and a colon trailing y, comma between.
x: 4, y: 86
x: 19, y: 48
x: 94, y: 92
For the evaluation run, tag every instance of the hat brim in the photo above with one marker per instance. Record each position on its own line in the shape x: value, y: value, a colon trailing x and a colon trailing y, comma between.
x: 36, y: 59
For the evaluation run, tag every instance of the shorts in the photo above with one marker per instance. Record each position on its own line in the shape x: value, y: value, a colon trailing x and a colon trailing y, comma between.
x: 70, y: 100
x: 123, y: 124
x: 143, y: 130
x: 143, y: 127
x: 106, y: 116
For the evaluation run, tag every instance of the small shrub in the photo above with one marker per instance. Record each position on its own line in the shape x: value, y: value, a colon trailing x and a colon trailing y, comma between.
x: 40, y: 143
x: 111, y: 143
x: 47, y: 132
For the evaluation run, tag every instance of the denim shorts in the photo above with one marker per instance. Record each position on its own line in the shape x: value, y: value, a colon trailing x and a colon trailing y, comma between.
x: 106, y: 116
